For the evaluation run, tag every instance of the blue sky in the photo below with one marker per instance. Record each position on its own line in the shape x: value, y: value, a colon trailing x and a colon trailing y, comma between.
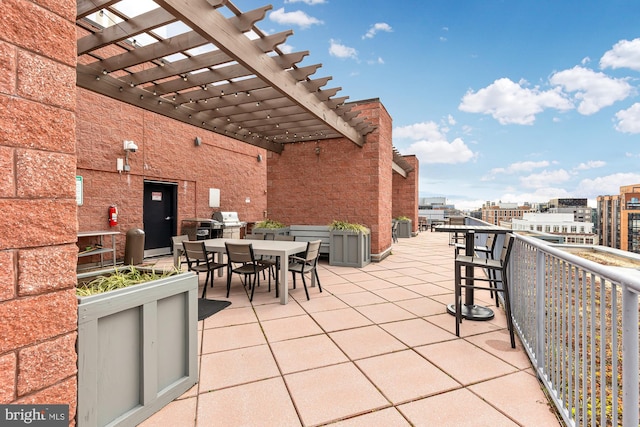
x: 513, y: 101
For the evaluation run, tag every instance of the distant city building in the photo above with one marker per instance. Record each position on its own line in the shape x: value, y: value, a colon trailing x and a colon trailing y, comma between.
x: 435, y: 208
x: 578, y: 207
x: 560, y: 224
x: 502, y: 212
x: 619, y: 219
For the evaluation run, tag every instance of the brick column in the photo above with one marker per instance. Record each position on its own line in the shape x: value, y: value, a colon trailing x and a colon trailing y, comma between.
x: 38, y: 308
x: 405, y: 193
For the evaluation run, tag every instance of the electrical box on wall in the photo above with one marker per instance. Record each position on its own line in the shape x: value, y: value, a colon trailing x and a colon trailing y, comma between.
x: 214, y: 197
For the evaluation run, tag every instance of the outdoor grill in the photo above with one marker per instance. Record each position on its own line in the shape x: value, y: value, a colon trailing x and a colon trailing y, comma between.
x: 201, y: 228
x: 231, y: 224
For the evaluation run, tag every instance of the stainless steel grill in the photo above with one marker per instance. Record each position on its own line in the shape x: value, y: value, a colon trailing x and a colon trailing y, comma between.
x: 231, y: 224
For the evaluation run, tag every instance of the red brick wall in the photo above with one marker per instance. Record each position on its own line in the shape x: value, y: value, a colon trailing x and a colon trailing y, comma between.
x: 38, y: 309
x: 314, y: 183
x: 166, y: 152
x: 405, y: 193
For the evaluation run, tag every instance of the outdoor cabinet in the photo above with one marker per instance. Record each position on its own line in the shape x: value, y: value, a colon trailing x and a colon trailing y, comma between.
x: 349, y: 248
x: 137, y: 350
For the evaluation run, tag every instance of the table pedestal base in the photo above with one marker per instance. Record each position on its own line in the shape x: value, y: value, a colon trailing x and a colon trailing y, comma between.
x: 472, y: 312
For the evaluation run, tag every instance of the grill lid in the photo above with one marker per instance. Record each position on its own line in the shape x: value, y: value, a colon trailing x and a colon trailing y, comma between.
x: 229, y: 219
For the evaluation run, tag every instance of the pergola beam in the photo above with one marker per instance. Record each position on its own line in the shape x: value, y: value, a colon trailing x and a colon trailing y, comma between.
x: 199, y: 15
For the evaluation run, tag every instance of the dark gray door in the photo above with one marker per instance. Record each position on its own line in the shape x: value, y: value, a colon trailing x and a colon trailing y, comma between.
x: 159, y: 216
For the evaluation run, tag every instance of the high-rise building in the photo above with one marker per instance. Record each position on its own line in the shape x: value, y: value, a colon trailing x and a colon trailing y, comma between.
x: 578, y: 207
x: 619, y: 219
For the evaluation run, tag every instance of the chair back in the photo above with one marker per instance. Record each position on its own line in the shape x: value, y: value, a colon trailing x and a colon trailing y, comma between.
x: 312, y: 252
x: 194, y: 251
x: 179, y: 239
x: 239, y: 252
x: 491, y: 242
x: 506, y: 249
x: 284, y: 238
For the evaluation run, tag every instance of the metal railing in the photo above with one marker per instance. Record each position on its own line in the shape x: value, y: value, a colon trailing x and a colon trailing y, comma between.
x: 578, y: 322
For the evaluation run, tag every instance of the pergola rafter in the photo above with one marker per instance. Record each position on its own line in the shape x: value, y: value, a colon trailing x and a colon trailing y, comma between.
x: 219, y: 73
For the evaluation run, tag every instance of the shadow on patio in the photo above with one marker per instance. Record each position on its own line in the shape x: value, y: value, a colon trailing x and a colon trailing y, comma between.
x: 375, y: 348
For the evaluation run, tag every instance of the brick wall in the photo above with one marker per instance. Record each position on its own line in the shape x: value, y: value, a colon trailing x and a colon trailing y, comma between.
x: 37, y: 198
x: 405, y: 193
x: 314, y: 183
x: 166, y: 152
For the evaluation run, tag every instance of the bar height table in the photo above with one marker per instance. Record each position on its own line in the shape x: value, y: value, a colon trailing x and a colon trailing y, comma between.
x: 470, y: 310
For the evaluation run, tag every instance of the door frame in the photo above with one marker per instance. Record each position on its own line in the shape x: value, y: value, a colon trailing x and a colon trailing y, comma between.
x: 173, y: 186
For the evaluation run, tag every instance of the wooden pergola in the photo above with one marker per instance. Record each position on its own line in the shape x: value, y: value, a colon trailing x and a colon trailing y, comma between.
x: 206, y: 63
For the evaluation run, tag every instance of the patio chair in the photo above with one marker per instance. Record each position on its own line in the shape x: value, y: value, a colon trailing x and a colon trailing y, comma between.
x: 199, y: 260
x: 394, y: 231
x: 241, y: 260
x: 487, y: 250
x: 273, y: 262
x: 176, y: 240
x: 307, y: 263
x: 495, y: 265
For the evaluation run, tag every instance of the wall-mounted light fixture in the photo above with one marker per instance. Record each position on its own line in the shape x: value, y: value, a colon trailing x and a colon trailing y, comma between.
x: 317, y: 151
x: 259, y: 158
x: 197, y: 141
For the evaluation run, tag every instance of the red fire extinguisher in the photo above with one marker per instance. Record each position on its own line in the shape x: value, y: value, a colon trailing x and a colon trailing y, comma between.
x: 113, y: 216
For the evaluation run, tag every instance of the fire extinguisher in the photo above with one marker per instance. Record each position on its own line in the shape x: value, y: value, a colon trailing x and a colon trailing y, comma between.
x: 113, y: 216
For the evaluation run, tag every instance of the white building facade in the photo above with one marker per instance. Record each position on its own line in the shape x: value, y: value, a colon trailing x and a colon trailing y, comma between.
x: 562, y: 224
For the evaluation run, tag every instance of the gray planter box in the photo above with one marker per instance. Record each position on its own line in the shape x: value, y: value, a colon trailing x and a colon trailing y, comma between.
x: 270, y: 232
x: 349, y: 249
x: 404, y: 229
x: 137, y: 350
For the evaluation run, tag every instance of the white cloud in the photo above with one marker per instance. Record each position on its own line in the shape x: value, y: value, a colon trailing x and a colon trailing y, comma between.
x: 606, y: 185
x: 591, y: 164
x: 376, y: 28
x: 442, y: 151
x: 624, y: 54
x: 431, y: 144
x: 511, y: 103
x: 538, y: 195
x: 309, y: 2
x: 424, y: 130
x: 545, y: 178
x: 594, y: 90
x: 298, y: 18
x: 515, y: 168
x: 378, y: 61
x: 341, y: 51
x: 629, y: 119
x: 451, y: 120
x: 585, y: 60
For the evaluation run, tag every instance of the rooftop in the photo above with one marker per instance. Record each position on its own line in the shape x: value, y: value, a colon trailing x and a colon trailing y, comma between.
x: 376, y: 347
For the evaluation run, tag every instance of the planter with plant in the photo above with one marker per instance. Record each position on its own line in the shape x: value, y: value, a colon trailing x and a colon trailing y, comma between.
x: 349, y: 244
x: 404, y: 226
x: 137, y: 343
x: 269, y: 228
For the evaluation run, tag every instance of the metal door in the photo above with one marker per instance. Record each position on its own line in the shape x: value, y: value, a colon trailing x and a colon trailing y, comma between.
x: 159, y: 216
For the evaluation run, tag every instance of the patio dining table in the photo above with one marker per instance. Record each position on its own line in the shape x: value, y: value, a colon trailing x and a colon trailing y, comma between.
x: 470, y: 310
x: 277, y: 248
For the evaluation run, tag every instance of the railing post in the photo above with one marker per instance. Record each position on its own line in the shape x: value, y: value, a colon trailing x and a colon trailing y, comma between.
x: 540, y: 309
x: 629, y: 358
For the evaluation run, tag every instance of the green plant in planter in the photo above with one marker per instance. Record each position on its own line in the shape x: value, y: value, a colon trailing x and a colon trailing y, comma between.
x: 119, y: 279
x: 348, y: 226
x: 403, y: 218
x: 269, y: 223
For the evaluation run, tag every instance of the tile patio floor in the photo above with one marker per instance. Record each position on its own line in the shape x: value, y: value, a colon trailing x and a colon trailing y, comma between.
x: 375, y: 348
